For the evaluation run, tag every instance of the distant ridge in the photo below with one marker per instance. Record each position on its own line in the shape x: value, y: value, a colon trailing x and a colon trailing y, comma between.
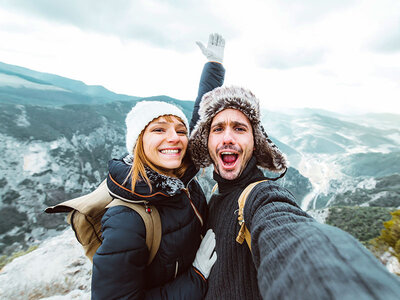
x: 32, y: 87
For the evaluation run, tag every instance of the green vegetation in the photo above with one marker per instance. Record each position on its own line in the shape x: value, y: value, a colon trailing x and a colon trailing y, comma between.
x: 389, y: 237
x: 4, y: 260
x: 364, y: 223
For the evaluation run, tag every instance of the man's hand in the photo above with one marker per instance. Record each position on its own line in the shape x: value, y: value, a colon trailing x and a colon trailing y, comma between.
x: 215, y: 48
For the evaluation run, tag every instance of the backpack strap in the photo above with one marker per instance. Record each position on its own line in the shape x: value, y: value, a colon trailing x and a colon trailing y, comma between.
x: 244, y: 233
x: 152, y: 222
x: 214, y: 188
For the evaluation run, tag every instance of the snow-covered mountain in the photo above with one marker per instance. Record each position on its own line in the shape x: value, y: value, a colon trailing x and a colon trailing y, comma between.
x: 52, y: 153
x: 58, y: 134
x: 343, y: 156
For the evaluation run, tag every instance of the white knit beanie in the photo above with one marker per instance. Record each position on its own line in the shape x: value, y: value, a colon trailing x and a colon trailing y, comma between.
x: 142, y: 114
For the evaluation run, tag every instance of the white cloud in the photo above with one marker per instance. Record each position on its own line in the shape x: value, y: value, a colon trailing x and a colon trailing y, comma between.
x: 339, y: 55
x: 157, y: 22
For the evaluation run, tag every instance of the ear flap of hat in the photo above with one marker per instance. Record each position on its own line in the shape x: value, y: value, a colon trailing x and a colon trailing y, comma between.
x: 198, y: 145
x: 267, y: 153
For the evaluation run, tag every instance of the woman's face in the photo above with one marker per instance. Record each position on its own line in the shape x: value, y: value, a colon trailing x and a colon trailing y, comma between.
x: 165, y: 143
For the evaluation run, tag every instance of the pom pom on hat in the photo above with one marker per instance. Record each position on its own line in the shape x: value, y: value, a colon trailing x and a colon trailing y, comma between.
x: 142, y: 114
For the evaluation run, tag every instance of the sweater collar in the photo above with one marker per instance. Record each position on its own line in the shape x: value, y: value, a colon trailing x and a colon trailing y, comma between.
x: 248, y: 175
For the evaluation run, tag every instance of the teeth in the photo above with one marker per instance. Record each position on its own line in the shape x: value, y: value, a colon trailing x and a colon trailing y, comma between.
x: 169, y: 151
x: 227, y: 153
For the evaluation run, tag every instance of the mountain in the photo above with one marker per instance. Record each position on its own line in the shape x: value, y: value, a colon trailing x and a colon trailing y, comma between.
x: 58, y: 134
x: 53, y: 151
x: 23, y: 86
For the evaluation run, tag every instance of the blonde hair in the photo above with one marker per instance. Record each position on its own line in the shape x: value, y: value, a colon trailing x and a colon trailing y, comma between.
x: 140, y: 160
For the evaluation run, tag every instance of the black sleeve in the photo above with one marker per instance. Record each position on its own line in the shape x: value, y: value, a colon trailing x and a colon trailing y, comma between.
x: 120, y: 262
x: 299, y: 258
x: 212, y: 76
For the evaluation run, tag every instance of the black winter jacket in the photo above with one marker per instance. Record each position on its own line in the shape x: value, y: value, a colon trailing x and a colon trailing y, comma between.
x: 119, y: 265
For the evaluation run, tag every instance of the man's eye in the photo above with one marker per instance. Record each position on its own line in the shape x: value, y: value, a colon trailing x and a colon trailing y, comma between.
x: 240, y: 129
x: 217, y: 129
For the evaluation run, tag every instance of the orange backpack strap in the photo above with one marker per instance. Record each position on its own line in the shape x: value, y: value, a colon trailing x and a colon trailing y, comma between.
x: 152, y: 222
x: 244, y: 233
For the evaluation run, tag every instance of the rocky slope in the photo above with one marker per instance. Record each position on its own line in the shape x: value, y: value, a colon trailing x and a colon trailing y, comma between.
x: 58, y: 134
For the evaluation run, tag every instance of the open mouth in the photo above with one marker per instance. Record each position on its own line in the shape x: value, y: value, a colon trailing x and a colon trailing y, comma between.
x: 229, y: 158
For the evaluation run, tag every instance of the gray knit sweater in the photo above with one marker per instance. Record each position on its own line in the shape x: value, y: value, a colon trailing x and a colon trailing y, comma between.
x: 299, y: 258
x: 294, y: 257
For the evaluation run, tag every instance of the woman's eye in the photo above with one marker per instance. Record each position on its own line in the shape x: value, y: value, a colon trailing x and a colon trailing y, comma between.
x: 158, y: 130
x: 182, y: 132
x: 217, y: 129
x: 240, y: 129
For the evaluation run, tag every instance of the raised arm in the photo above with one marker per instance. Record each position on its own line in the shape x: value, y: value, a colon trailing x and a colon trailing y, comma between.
x: 213, y: 72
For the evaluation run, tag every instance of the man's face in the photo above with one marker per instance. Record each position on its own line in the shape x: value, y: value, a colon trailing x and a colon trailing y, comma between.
x: 230, y: 143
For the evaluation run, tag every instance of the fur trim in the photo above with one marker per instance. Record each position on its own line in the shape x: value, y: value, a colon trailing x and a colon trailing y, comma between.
x: 267, y: 153
x: 159, y: 182
x: 164, y: 183
x: 142, y: 114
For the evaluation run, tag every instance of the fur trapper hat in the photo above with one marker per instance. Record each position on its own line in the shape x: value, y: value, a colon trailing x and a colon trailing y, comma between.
x: 266, y: 152
x: 142, y: 114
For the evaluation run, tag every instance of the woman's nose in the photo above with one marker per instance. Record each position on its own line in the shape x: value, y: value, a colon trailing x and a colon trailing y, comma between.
x: 172, y: 136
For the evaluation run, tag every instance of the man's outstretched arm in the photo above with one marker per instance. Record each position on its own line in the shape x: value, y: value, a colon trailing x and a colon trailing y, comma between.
x: 299, y: 258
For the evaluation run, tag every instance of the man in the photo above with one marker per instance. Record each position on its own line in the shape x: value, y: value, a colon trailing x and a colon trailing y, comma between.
x: 292, y: 256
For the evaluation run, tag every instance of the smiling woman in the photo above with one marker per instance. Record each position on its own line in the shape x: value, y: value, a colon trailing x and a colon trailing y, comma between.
x: 155, y: 174
x: 158, y: 174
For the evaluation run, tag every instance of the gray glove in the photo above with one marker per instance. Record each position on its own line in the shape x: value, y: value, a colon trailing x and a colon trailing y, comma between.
x: 204, y: 261
x: 215, y: 48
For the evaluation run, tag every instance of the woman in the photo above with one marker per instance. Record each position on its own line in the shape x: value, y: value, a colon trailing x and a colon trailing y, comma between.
x: 157, y: 172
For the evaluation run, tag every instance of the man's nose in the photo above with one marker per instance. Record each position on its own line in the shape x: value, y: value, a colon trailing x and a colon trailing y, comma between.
x: 228, y: 137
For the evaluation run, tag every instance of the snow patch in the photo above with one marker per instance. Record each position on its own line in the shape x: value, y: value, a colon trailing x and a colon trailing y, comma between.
x: 319, y: 215
x: 320, y: 170
x: 22, y: 120
x: 368, y: 184
x: 391, y: 262
x: 18, y: 82
x: 395, y: 137
x: 36, y: 160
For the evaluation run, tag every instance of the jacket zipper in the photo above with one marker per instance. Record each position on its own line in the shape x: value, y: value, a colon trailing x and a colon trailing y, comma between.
x: 176, y: 268
x: 186, y: 189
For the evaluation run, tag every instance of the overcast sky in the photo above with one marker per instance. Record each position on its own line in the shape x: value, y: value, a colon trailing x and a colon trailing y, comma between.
x: 340, y: 55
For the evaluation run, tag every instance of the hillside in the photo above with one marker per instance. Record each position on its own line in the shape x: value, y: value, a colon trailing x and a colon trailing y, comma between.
x: 58, y: 135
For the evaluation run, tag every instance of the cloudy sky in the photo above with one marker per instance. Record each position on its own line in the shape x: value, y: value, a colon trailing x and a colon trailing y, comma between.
x: 340, y: 55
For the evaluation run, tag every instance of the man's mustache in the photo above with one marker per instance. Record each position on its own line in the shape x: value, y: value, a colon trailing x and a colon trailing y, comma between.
x: 229, y: 147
